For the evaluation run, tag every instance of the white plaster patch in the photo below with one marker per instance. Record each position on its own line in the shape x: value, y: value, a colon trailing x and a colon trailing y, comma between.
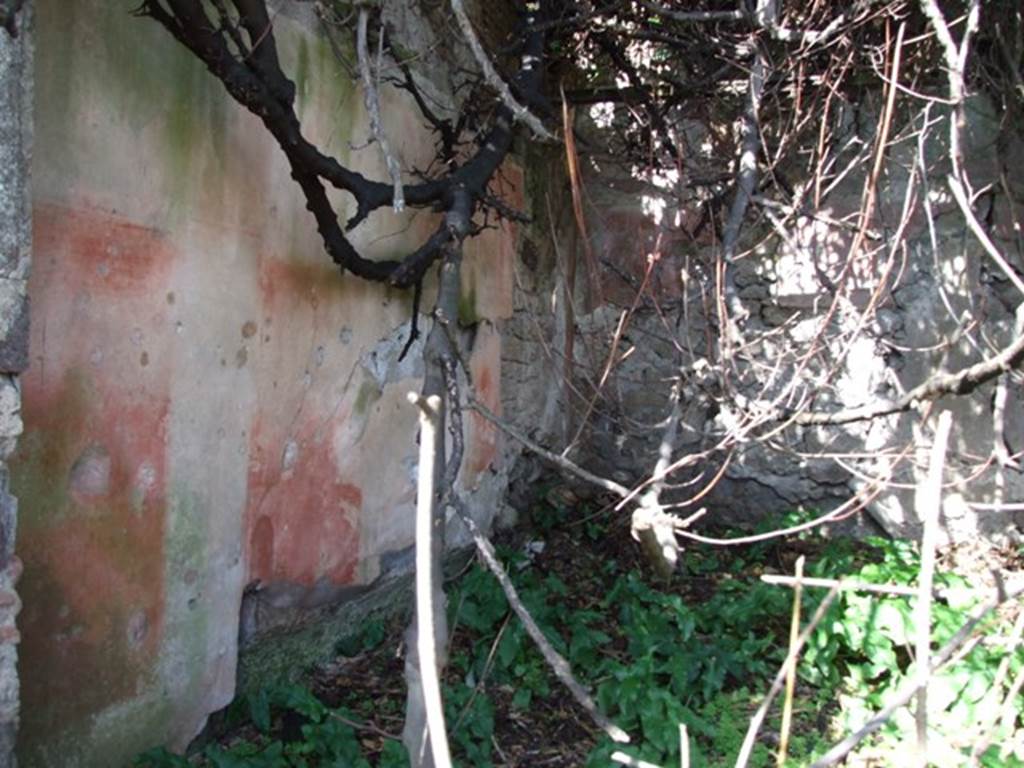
x: 290, y: 455
x: 90, y: 474
x: 382, y: 361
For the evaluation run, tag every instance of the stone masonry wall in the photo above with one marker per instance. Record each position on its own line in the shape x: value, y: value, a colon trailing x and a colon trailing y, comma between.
x: 15, y: 258
x: 914, y: 329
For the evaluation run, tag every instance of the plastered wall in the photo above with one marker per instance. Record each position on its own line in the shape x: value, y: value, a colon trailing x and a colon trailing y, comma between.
x: 209, y: 405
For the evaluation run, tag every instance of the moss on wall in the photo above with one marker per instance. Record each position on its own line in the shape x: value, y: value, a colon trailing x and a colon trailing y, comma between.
x: 468, y: 312
x: 287, y: 657
x: 93, y: 584
x: 96, y: 58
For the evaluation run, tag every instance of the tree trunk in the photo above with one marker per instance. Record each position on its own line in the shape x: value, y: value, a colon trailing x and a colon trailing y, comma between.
x: 437, y: 351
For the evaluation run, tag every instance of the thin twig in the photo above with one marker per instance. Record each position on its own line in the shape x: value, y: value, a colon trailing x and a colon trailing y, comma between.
x: 554, y: 458
x: 372, y: 101
x: 790, y: 660
x: 794, y: 634
x: 466, y: 708
x: 366, y: 726
x: 555, y: 660
x: 572, y: 161
x: 844, y: 585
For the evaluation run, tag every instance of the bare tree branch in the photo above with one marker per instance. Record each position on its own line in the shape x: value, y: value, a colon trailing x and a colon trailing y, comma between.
x: 494, y: 79
x: 651, y: 525
x: 746, y: 182
x: 427, y: 651
x: 555, y: 660
x: 957, y: 188
x: 794, y: 651
x: 372, y: 101
x: 427, y: 642
x: 843, y: 585
x: 259, y: 84
x: 554, y: 458
x: 961, y: 383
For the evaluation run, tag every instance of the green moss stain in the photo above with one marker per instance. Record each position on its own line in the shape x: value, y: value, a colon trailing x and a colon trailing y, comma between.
x: 286, y: 658
x: 186, y: 533
x: 122, y: 75
x: 341, y: 98
x: 112, y: 739
x: 193, y: 108
x: 324, y: 92
x: 403, y: 54
x: 57, y: 74
x: 302, y: 75
x: 46, y: 453
x: 93, y: 588
x: 369, y: 393
x: 468, y: 314
x: 186, y: 558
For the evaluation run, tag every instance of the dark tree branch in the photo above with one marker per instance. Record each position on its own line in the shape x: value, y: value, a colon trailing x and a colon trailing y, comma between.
x: 448, y: 133
x: 414, y: 323
x: 253, y: 17
x: 257, y: 82
x: 504, y: 210
x: 693, y: 17
x: 517, y: 110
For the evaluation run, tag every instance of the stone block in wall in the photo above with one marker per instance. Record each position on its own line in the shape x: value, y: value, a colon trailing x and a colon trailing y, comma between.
x: 10, y: 605
x: 11, y: 424
x: 13, y: 325
x: 8, y: 519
